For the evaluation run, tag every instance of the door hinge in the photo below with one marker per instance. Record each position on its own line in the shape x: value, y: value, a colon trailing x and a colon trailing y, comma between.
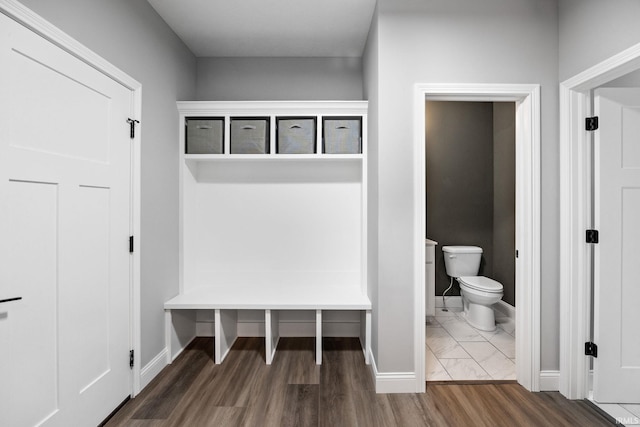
x: 131, y: 244
x: 590, y: 349
x: 517, y: 253
x: 592, y: 236
x: 131, y: 359
x: 591, y: 123
x: 132, y: 127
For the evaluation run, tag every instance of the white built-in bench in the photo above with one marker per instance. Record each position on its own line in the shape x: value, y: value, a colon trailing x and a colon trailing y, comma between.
x: 226, y: 301
x: 282, y: 229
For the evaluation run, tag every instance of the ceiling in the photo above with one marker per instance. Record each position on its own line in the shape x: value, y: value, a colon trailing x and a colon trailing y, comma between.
x: 312, y: 28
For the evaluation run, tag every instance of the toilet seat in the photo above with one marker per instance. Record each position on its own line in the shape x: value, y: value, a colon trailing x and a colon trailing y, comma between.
x: 481, y: 283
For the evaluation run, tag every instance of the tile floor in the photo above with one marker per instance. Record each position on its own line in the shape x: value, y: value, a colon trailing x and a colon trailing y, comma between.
x: 456, y: 351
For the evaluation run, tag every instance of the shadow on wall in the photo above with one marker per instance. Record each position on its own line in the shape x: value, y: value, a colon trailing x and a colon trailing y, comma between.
x: 470, y: 182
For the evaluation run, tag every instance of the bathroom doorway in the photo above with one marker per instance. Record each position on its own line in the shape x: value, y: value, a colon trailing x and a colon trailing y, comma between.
x: 470, y: 201
x: 526, y: 100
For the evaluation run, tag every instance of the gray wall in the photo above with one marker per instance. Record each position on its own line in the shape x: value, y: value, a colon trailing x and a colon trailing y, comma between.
x: 459, y: 175
x: 250, y: 79
x: 470, y: 182
x: 131, y: 35
x: 594, y: 30
x: 371, y: 79
x: 504, y: 198
x: 628, y: 80
x: 485, y: 41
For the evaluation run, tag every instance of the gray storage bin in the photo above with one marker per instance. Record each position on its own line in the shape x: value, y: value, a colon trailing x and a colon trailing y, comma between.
x: 296, y: 135
x: 249, y: 135
x: 342, y: 135
x: 205, y: 135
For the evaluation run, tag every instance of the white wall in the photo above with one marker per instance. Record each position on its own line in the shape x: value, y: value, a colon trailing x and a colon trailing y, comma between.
x: 594, y: 30
x: 131, y: 35
x: 258, y: 79
x: 484, y: 41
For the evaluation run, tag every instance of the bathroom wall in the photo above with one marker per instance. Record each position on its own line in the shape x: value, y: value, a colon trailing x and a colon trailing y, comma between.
x: 470, y: 182
x: 459, y: 174
x: 504, y: 198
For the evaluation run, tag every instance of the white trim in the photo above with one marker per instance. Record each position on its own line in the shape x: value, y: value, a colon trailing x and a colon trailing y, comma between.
x: 549, y: 380
x: 262, y: 108
x: 505, y: 309
x: 392, y: 382
x: 170, y: 358
x: 453, y: 301
x: 153, y: 368
x: 527, y: 99
x: 37, y: 24
x: 575, y: 208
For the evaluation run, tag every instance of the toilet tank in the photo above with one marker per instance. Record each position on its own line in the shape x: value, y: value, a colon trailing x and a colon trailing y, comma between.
x: 462, y: 261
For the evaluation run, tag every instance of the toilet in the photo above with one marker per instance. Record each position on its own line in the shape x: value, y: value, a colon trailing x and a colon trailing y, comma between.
x: 479, y: 293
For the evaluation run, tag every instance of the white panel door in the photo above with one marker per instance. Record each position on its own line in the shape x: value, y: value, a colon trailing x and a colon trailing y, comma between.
x: 64, y: 227
x: 617, y: 256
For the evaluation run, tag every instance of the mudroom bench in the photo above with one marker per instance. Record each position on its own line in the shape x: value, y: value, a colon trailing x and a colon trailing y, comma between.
x: 226, y: 301
x: 272, y: 219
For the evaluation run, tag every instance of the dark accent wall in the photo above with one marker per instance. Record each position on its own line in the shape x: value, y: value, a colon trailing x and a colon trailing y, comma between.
x: 470, y: 182
x: 504, y: 198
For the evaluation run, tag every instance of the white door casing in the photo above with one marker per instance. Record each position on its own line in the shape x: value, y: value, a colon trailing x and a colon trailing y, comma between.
x: 65, y: 216
x: 616, y: 256
x: 575, y: 208
x: 527, y: 99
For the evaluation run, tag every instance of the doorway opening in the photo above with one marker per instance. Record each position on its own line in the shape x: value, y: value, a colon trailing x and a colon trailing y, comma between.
x: 470, y: 201
x: 527, y: 111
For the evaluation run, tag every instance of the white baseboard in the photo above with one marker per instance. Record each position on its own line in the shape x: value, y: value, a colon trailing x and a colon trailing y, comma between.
x: 506, y: 309
x: 549, y: 380
x: 392, y: 382
x: 153, y: 368
x: 287, y: 329
x: 452, y: 301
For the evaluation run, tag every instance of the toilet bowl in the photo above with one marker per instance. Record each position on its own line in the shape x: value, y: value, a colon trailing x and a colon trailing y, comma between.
x: 478, y: 293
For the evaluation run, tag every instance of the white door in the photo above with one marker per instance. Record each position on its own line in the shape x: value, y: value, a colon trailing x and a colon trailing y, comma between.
x: 64, y: 227
x: 617, y: 256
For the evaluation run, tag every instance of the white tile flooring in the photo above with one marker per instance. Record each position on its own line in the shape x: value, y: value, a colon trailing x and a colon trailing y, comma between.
x: 456, y: 351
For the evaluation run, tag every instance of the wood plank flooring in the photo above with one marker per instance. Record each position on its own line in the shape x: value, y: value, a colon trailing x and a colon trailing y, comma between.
x: 294, y: 391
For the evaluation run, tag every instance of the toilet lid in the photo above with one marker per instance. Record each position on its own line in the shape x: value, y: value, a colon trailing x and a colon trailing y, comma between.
x: 481, y: 283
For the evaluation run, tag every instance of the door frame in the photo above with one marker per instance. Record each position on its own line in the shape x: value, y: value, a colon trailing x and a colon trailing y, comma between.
x: 575, y: 216
x: 46, y: 30
x: 527, y: 99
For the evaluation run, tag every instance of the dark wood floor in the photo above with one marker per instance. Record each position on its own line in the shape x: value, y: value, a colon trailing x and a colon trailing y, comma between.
x: 294, y: 391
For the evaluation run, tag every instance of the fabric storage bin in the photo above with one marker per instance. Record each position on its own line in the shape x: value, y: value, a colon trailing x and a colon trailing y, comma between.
x: 342, y: 135
x: 296, y: 135
x: 205, y: 135
x: 250, y: 135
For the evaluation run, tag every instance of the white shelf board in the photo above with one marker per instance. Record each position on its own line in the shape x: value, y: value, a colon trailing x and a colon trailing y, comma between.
x: 267, y: 298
